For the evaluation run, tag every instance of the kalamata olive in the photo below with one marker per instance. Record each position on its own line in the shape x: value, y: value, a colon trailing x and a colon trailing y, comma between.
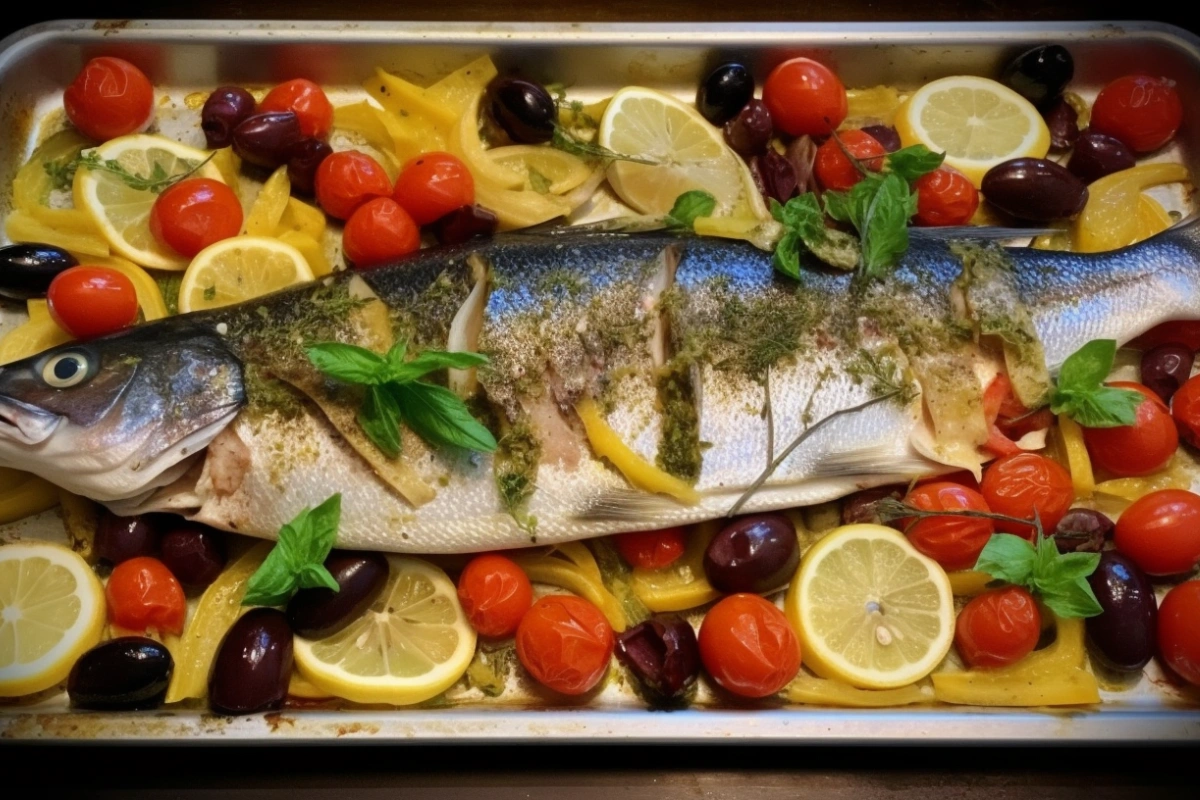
x: 1167, y: 367
x: 194, y: 553
x: 773, y: 175
x: 1097, y: 155
x: 465, y: 223
x: 303, y: 161
x: 223, y: 111
x: 662, y: 654
x: 268, y: 139
x: 126, y: 674
x: 725, y: 92
x: 862, y: 506
x: 802, y: 155
x: 756, y: 553
x: 122, y: 538
x: 27, y: 269
x: 750, y: 131
x: 1082, y: 530
x: 253, y: 664
x: 317, y: 613
x: 1124, y: 634
x: 886, y: 135
x: 1063, y: 122
x: 1034, y: 189
x: 525, y: 110
x: 1039, y: 75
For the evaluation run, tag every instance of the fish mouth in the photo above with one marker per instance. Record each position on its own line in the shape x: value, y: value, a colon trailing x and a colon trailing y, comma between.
x: 26, y: 423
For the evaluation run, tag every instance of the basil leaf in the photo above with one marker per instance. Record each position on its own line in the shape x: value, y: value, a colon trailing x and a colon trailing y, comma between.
x: 885, y: 224
x: 432, y: 360
x: 272, y: 584
x: 1073, y: 599
x: 298, y: 557
x: 1069, y: 567
x: 397, y: 353
x: 320, y: 531
x: 1007, y: 558
x: 347, y: 362
x: 837, y: 205
x: 440, y: 417
x: 1106, y: 407
x: 688, y: 206
x: 914, y: 161
x: 1088, y: 366
x: 315, y: 576
x: 787, y: 255
x: 379, y: 418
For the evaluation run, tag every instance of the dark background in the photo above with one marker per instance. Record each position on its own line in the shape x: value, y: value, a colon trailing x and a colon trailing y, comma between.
x: 607, y: 772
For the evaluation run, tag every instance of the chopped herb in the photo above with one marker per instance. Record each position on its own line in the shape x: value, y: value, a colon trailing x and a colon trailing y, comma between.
x: 569, y: 143
x: 539, y: 182
x: 515, y: 466
x: 155, y: 182
x: 62, y: 173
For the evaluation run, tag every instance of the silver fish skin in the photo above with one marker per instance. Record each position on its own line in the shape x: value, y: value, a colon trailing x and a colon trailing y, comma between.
x: 867, y: 380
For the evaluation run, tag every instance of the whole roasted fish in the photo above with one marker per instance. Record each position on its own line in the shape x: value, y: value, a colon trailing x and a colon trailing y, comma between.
x: 758, y: 391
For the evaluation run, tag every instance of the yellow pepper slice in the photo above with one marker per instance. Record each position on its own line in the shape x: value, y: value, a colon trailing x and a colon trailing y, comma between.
x: 229, y: 164
x: 421, y: 119
x: 1055, y: 676
x: 681, y: 585
x: 22, y: 226
x: 269, y: 206
x: 877, y: 104
x: 312, y: 250
x: 31, y: 495
x: 811, y: 690
x: 637, y: 470
x: 456, y: 91
x: 572, y: 566
x: 300, y: 217
x: 1111, y: 218
x: 968, y: 583
x: 465, y: 143
x: 562, y: 171
x: 1078, y: 461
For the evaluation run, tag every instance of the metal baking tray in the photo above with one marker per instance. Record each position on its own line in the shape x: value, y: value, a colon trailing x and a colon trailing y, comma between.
x: 592, y: 61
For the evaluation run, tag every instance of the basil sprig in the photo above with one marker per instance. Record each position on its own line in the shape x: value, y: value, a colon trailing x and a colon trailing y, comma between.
x: 396, y: 396
x: 688, y: 206
x: 297, y: 561
x: 1060, y: 579
x: 1082, y: 395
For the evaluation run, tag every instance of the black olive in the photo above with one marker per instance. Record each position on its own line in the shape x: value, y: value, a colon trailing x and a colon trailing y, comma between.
x: 525, y: 110
x: 1034, y: 189
x: 774, y: 176
x: 886, y: 135
x: 253, y: 664
x: 1062, y: 120
x: 122, y: 538
x: 125, y: 674
x: 862, y: 506
x: 756, y: 553
x: 268, y: 139
x: 194, y: 553
x: 1082, y: 530
x: 1167, y: 367
x: 465, y: 223
x: 750, y: 131
x: 317, y: 613
x: 223, y: 111
x: 725, y: 92
x: 1040, y: 75
x: 1124, y: 633
x: 1097, y: 155
x: 662, y: 654
x: 26, y: 270
x: 303, y: 161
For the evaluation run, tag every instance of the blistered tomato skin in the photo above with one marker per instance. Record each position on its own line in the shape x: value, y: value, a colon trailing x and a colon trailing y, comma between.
x: 1022, y: 484
x: 998, y: 628
x: 565, y: 643
x: 309, y: 102
x: 495, y: 594
x: 143, y: 594
x: 347, y: 180
x: 1142, y: 111
x: 378, y: 232
x: 432, y: 185
x: 945, y: 197
x: 1185, y: 410
x: 192, y: 214
x: 836, y: 171
x: 253, y: 664
x: 748, y: 647
x: 1146, y: 446
x: 805, y: 97
x: 1179, y: 631
x: 109, y: 98
x: 953, y: 542
x: 1161, y: 532
x: 651, y: 549
x: 88, y: 301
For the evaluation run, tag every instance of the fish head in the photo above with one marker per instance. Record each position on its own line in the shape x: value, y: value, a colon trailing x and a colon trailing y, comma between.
x: 116, y: 417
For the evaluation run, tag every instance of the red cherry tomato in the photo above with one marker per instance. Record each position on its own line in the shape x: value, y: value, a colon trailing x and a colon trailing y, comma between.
x: 109, y: 98
x: 1138, y: 449
x: 192, y: 214
x: 1141, y: 111
x: 837, y: 172
x: 308, y: 100
x: 1185, y: 410
x: 998, y: 628
x: 495, y: 594
x: 805, y: 97
x: 651, y: 549
x: 1020, y: 484
x: 432, y: 185
x: 348, y: 179
x: 1179, y: 631
x: 945, y: 197
x: 88, y: 302
x: 1161, y: 532
x: 748, y: 647
x: 377, y: 232
x: 565, y: 643
x: 142, y: 594
x: 953, y: 542
x: 1185, y: 332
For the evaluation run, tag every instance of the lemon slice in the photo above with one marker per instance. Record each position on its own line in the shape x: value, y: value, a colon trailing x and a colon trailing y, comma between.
x: 412, y: 644
x: 870, y: 610
x: 976, y: 122
x: 51, y: 612
x: 121, y: 211
x: 690, y: 153
x: 238, y: 269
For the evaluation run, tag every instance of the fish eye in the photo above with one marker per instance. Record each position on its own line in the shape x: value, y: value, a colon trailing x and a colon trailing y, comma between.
x: 65, y: 370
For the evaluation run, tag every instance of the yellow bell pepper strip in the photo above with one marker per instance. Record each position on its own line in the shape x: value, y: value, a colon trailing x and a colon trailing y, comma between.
x: 1078, y: 461
x: 219, y: 607
x: 300, y: 217
x: 875, y: 106
x: 1054, y: 676
x: 1130, y: 489
x: 681, y: 585
x: 269, y: 206
x: 21, y: 226
x: 1111, y: 218
x: 456, y: 91
x: 637, y: 470
x: 572, y: 567
x: 300, y: 687
x: 229, y: 164
x: 811, y: 690
x: 968, y: 583
x: 31, y: 495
